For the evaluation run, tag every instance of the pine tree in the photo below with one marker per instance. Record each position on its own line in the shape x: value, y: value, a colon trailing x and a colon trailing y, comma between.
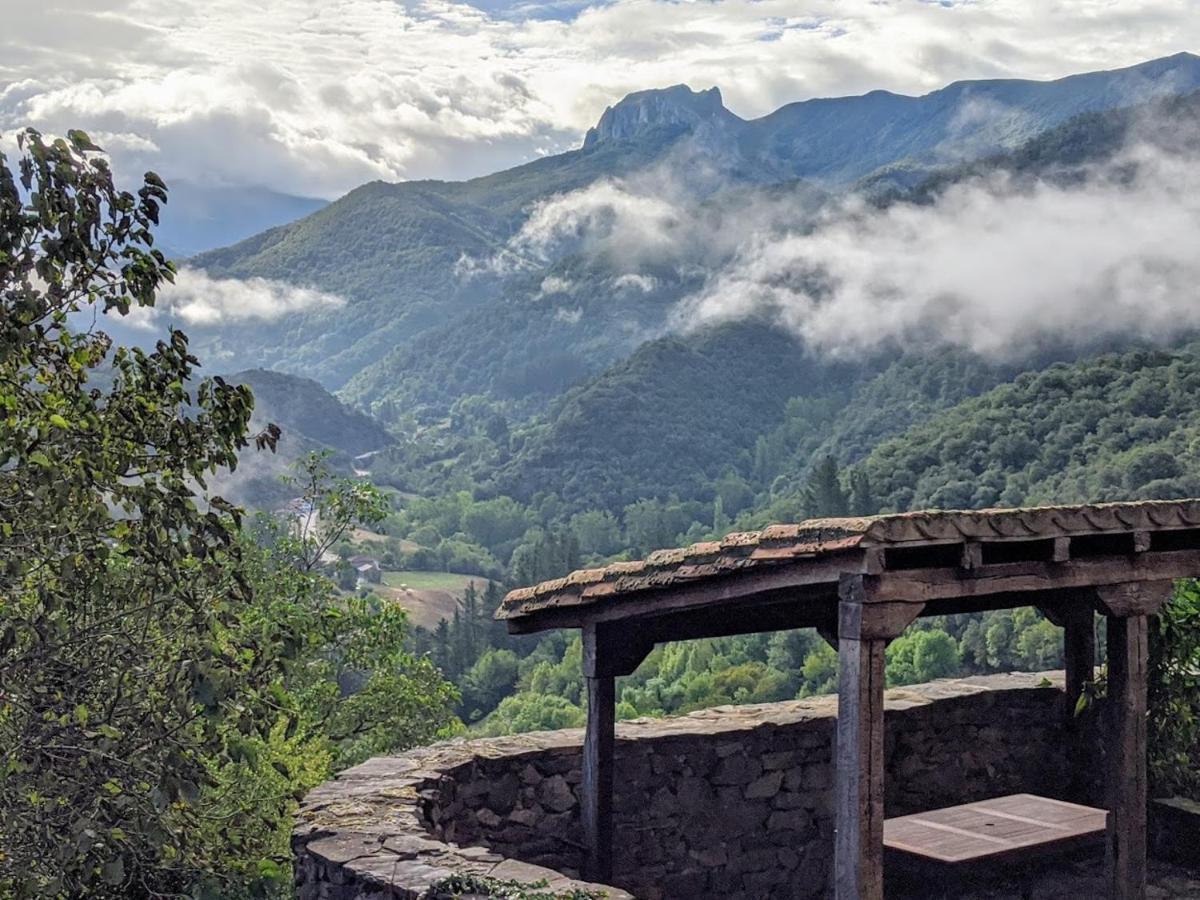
x: 720, y: 520
x: 492, y: 596
x: 823, y: 495
x: 441, y: 646
x: 471, y: 641
x: 862, y: 499
x: 460, y: 650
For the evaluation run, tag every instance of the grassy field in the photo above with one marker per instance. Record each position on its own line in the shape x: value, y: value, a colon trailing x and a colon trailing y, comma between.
x: 363, y: 536
x: 429, y: 597
x: 433, y: 581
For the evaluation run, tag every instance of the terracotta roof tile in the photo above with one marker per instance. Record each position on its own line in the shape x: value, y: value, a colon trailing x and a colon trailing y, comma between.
x: 793, y: 543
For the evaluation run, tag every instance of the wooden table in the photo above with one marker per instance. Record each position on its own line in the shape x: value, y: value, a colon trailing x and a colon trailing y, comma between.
x: 1000, y: 837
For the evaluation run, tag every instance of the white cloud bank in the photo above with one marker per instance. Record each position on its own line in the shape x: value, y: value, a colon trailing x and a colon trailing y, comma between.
x: 993, y: 265
x: 197, y: 299
x: 315, y: 98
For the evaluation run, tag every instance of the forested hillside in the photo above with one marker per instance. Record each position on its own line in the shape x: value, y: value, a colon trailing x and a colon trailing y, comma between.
x: 310, y: 420
x: 1115, y: 427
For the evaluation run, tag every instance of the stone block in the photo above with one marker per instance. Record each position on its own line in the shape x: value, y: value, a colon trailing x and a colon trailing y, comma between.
x: 765, y: 787
x: 555, y: 794
x: 737, y: 769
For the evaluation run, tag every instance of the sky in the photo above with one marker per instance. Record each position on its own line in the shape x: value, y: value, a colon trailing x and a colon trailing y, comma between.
x: 314, y: 98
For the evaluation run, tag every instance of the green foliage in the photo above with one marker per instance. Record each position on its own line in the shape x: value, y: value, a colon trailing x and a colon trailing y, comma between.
x: 530, y: 711
x: 1175, y: 696
x: 823, y: 495
x: 919, y: 656
x: 125, y: 667
x: 1112, y: 427
x: 670, y: 420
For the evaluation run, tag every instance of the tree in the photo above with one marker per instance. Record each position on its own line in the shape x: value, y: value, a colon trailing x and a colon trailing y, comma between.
x: 123, y: 664
x: 862, y: 501
x: 823, y: 494
x: 918, y: 656
x: 532, y: 712
x: 598, y: 532
x: 492, y: 678
x: 653, y: 524
x: 820, y: 671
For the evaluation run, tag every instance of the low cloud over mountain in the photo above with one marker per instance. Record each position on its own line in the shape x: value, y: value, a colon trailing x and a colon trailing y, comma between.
x: 195, y: 299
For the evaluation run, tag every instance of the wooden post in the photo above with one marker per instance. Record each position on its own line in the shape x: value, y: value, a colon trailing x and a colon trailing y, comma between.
x: 864, y: 629
x: 858, y: 851
x: 597, y: 787
x: 1128, y: 607
x: 606, y: 654
x: 1126, y: 839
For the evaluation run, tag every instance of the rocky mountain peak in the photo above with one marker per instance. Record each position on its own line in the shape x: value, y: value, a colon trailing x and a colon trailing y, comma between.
x: 676, y: 108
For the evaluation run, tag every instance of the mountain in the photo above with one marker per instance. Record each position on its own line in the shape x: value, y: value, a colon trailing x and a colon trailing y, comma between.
x: 669, y: 419
x: 414, y: 261
x: 847, y: 138
x: 839, y: 140
x: 679, y: 410
x: 202, y: 217
x: 311, y: 420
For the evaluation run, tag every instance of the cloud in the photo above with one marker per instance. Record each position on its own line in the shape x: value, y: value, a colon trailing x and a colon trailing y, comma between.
x: 994, y: 265
x: 552, y: 284
x: 631, y: 281
x: 314, y: 99
x: 679, y: 216
x: 196, y: 299
x: 609, y: 218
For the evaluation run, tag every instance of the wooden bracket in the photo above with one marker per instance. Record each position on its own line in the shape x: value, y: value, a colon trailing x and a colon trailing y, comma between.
x: 1068, y: 607
x: 865, y: 615
x: 829, y: 631
x: 1134, y: 598
x: 610, y: 650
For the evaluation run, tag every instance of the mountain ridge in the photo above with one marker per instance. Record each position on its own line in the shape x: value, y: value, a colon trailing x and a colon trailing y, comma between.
x: 393, y: 251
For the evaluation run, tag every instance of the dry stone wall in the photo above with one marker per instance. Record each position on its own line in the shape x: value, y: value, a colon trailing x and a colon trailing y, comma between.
x: 733, y: 802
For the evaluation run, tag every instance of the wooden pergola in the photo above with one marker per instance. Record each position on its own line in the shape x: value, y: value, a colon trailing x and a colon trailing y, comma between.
x: 860, y: 582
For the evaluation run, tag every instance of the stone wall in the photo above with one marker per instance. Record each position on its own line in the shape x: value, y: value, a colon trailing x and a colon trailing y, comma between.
x: 733, y: 802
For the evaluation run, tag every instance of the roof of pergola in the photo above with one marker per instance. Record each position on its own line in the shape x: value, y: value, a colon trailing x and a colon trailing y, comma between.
x: 811, y: 555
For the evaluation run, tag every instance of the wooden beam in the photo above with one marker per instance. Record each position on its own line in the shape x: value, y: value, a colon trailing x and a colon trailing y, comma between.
x: 1074, y: 613
x: 717, y: 590
x: 616, y: 649
x: 1143, y: 598
x: 1128, y: 663
x: 801, y: 582
x: 926, y: 585
x: 864, y: 629
x: 596, y: 789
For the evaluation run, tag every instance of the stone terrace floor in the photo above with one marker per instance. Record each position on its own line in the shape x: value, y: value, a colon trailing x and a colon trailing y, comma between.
x: 1084, y: 880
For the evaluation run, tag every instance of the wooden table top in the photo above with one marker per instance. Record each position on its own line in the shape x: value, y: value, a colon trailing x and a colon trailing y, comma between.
x: 993, y: 828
